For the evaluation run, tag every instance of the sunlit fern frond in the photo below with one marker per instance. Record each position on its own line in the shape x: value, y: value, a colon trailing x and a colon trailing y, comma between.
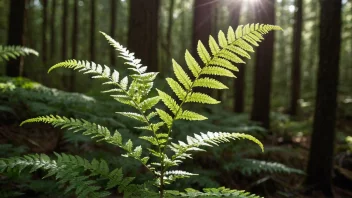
x: 13, y: 52
x: 224, y: 53
x: 94, y: 131
x: 182, y: 149
x: 132, y: 90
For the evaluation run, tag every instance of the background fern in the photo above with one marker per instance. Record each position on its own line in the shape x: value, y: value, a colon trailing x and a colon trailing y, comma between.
x: 13, y: 52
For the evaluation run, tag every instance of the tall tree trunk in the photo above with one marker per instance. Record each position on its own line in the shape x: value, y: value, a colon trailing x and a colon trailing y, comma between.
x: 92, y: 30
x: 143, y: 31
x: 74, y: 43
x: 64, y: 30
x: 44, y: 38
x: 52, y: 29
x: 265, y: 13
x: 64, y: 18
x: 169, y: 31
x: 113, y: 19
x: 14, y: 67
x: 322, y: 142
x: 202, y: 28
x: 202, y: 23
x: 239, y: 82
x: 296, y: 60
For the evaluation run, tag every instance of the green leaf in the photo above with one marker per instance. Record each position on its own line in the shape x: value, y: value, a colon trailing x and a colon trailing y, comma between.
x: 230, y: 35
x: 165, y: 117
x: 176, y: 88
x: 168, y: 101
x: 209, y: 83
x: 218, y: 71
x: 214, y: 48
x: 203, y: 53
x: 149, y: 103
x: 201, y: 98
x: 150, y: 139
x: 192, y: 64
x: 222, y: 39
x: 223, y: 63
x: 190, y: 115
x: 230, y: 56
x: 181, y: 75
x: 135, y: 116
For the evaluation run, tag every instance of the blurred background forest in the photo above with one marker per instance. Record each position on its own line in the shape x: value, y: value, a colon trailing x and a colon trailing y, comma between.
x: 285, y: 95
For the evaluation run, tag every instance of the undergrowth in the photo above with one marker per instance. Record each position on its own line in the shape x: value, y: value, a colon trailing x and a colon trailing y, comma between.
x: 164, y: 156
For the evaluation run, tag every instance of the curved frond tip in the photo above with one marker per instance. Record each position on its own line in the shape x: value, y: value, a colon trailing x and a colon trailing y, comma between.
x: 13, y: 52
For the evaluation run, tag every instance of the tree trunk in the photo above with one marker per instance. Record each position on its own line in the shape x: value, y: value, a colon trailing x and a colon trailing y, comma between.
x: 239, y: 82
x: 265, y: 13
x: 201, y: 23
x: 202, y: 28
x: 92, y: 31
x: 322, y: 142
x: 169, y: 31
x: 14, y: 67
x: 296, y: 60
x: 52, y: 29
x: 74, y: 44
x: 143, y: 31
x: 64, y: 30
x: 113, y: 18
x: 44, y: 38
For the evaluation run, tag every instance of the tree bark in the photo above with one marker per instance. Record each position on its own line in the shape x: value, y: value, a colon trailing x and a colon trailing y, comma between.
x: 322, y: 142
x: 296, y: 60
x: 44, y: 38
x: 113, y: 19
x: 92, y: 30
x: 75, y: 37
x: 202, y: 23
x: 169, y: 31
x: 202, y: 28
x: 64, y: 30
x: 14, y: 67
x: 52, y: 29
x: 239, y: 82
x: 143, y: 31
x: 265, y: 13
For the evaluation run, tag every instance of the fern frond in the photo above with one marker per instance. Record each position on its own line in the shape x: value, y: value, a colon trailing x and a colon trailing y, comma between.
x: 209, y: 83
x: 208, y: 139
x: 214, y: 192
x: 251, y: 166
x: 8, y: 52
x: 65, y: 171
x: 226, y: 51
x: 90, y: 129
x: 171, y: 176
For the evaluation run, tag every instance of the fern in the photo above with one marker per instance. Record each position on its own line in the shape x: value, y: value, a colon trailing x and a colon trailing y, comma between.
x: 213, y: 192
x: 134, y: 90
x: 8, y: 52
x: 251, y: 166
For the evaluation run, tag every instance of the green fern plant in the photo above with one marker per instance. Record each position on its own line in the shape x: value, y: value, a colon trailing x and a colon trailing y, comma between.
x: 8, y: 52
x: 134, y: 90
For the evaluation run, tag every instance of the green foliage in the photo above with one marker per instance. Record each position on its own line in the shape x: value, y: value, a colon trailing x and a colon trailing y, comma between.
x: 12, y: 52
x: 213, y: 192
x: 251, y: 166
x: 349, y: 143
x: 136, y: 91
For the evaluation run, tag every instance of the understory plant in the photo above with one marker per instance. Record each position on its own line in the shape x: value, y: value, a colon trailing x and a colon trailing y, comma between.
x: 164, y: 155
x: 13, y: 52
